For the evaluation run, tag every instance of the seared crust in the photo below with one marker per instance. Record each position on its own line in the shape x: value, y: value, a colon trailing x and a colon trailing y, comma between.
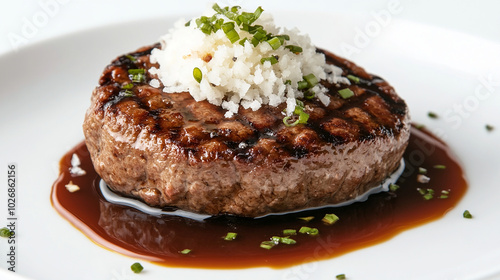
x: 169, y: 150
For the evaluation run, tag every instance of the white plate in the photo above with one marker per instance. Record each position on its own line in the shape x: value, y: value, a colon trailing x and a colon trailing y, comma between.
x: 45, y: 91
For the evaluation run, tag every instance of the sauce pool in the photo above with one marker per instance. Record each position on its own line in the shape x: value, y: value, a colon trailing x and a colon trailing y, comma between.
x: 161, y: 239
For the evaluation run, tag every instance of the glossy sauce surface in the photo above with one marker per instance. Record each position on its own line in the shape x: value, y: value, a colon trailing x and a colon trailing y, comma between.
x: 160, y: 239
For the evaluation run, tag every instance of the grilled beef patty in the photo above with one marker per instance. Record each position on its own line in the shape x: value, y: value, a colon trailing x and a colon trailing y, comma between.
x: 171, y: 151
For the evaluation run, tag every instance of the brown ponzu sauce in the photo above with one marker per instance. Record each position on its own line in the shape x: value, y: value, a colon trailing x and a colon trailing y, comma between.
x: 160, y: 239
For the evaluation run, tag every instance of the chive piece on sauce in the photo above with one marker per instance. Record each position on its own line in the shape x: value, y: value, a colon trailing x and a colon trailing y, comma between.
x: 393, y: 187
x: 230, y: 236
x: 307, y: 219
x: 439, y: 166
x: 136, y: 267
x: 267, y: 244
x: 467, y: 214
x: 489, y: 127
x: 185, y: 251
x: 340, y: 277
x: 309, y: 231
x: 289, y: 232
x: 330, y: 219
x: 346, y: 93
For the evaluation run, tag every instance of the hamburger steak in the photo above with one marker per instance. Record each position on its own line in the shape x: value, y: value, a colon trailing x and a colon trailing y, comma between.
x: 168, y: 150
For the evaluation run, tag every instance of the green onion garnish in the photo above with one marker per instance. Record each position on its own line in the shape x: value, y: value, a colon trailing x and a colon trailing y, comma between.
x: 346, y: 93
x: 231, y: 34
x: 443, y: 196
x: 393, y: 187
x: 439, y: 166
x: 422, y: 170
x: 275, y: 43
x: 353, y: 79
x: 230, y: 236
x: 185, y: 251
x: 489, y: 127
x: 267, y: 244
x: 467, y: 214
x: 289, y: 232
x: 197, y: 74
x: 432, y: 115
x: 272, y: 59
x: 307, y: 219
x: 285, y: 121
x: 284, y: 240
x: 137, y: 75
x: 287, y: 240
x: 330, y: 219
x: 311, y: 80
x: 132, y: 58
x: 136, y: 267
x: 5, y: 232
x: 294, y: 49
x: 340, y: 277
x: 428, y: 196
x: 309, y: 231
x: 128, y: 86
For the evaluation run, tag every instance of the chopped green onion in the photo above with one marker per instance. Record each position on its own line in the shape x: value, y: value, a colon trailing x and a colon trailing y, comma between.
x: 330, y: 219
x: 285, y: 121
x: 5, y: 232
x: 136, y: 267
x: 287, y: 240
x: 393, y: 187
x: 467, y: 214
x: 428, y: 196
x: 353, y: 78
x: 432, y: 115
x: 231, y: 34
x: 346, y: 93
x: 311, y: 80
x: 197, y: 74
x: 272, y: 59
x: 274, y: 42
x: 303, y: 117
x: 443, y: 196
x: 284, y: 240
x: 230, y: 236
x: 440, y: 166
x: 289, y: 232
x: 294, y: 49
x: 131, y: 57
x: 267, y: 244
x: 422, y: 170
x: 340, y: 277
x: 302, y: 85
x: 185, y: 251
x: 187, y: 23
x: 137, y: 75
x: 307, y: 219
x: 309, y: 231
x: 127, y: 93
x: 489, y: 127
x: 128, y: 86
x: 445, y: 192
